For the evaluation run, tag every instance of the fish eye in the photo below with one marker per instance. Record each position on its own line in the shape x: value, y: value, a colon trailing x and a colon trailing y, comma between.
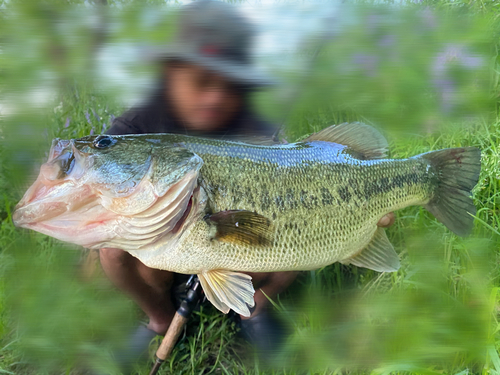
x: 104, y: 141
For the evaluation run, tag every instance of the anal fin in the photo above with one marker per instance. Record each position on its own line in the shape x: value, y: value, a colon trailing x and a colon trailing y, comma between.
x: 378, y: 255
x: 228, y: 290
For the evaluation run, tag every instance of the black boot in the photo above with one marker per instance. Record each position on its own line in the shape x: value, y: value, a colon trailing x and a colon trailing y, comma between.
x: 265, y: 332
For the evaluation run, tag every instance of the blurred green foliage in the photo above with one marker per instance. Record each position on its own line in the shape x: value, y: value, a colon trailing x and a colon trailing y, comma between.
x: 430, y: 79
x: 403, y: 68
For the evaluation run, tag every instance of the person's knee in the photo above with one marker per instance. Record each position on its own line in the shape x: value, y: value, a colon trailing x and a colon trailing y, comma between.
x: 159, y: 279
x: 286, y: 277
x: 281, y: 280
x: 259, y: 278
x: 115, y: 257
x: 273, y: 279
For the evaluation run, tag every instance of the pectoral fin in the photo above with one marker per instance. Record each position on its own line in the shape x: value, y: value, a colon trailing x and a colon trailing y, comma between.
x: 378, y: 255
x: 241, y: 227
x: 228, y: 290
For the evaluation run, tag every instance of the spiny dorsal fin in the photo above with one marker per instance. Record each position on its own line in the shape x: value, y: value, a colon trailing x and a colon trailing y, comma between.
x: 378, y: 255
x: 258, y: 140
x: 365, y: 140
x: 228, y: 290
x: 241, y: 227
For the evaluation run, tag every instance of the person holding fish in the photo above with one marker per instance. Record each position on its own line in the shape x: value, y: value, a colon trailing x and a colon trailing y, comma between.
x: 207, y: 80
x: 204, y: 90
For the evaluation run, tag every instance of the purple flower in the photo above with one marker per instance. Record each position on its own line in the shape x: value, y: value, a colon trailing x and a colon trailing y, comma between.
x: 445, y: 88
x: 87, y: 116
x: 455, y: 54
x: 66, y: 124
x: 387, y: 41
x: 92, y: 131
x: 429, y: 18
x: 103, y: 128
x: 366, y: 62
x: 451, y: 56
x: 373, y: 22
x: 96, y: 115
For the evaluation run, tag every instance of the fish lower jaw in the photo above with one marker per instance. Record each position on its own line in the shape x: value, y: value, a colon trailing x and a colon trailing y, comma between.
x: 79, y: 236
x: 30, y: 216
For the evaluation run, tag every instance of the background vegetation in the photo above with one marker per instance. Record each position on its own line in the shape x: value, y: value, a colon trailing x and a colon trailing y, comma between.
x: 437, y: 315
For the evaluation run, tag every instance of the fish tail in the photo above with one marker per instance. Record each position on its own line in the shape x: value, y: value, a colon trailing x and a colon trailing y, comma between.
x: 457, y: 171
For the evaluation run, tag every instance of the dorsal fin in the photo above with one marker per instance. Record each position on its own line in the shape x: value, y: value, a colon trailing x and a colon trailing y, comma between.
x: 258, y: 140
x: 366, y: 141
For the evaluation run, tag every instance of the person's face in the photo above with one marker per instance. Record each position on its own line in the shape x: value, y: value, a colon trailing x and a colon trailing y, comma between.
x: 201, y: 99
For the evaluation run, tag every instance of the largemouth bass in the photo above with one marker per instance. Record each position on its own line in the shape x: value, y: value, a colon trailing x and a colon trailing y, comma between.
x: 219, y: 208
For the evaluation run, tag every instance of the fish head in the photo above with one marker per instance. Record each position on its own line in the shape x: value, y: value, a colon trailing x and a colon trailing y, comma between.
x: 97, y: 190
x: 55, y: 187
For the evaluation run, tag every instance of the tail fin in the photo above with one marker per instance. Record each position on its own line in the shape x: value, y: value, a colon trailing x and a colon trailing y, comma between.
x: 457, y: 172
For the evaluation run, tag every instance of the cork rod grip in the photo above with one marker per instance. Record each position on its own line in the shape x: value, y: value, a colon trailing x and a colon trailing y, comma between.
x: 173, y: 332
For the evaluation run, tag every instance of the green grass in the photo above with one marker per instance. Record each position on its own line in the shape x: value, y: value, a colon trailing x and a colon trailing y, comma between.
x: 437, y: 315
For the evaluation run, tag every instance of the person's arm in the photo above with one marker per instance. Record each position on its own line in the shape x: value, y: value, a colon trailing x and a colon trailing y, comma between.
x: 123, y: 125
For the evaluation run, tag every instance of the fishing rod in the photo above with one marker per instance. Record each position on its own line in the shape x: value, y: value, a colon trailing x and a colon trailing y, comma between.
x: 181, y: 317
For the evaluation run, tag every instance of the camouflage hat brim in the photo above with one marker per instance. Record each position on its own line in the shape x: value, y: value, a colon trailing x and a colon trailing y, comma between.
x: 244, y: 74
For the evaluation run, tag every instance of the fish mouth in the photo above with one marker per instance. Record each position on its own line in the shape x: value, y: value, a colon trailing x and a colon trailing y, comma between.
x: 28, y: 217
x: 45, y: 202
x: 49, y: 196
x: 100, y: 229
x: 57, y: 148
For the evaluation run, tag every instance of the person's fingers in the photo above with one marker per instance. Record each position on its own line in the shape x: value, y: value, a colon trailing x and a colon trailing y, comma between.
x: 387, y: 220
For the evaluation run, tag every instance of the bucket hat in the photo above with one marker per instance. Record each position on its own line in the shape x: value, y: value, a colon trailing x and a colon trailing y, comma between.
x: 216, y: 36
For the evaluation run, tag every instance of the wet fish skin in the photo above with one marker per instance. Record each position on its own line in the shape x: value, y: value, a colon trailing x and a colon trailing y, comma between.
x: 322, y: 210
x: 217, y: 208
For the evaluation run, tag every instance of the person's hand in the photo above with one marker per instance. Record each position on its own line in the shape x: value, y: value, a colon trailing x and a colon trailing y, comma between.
x: 387, y: 220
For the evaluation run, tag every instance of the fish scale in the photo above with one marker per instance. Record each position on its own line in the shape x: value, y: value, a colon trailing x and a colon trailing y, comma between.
x: 324, y: 211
